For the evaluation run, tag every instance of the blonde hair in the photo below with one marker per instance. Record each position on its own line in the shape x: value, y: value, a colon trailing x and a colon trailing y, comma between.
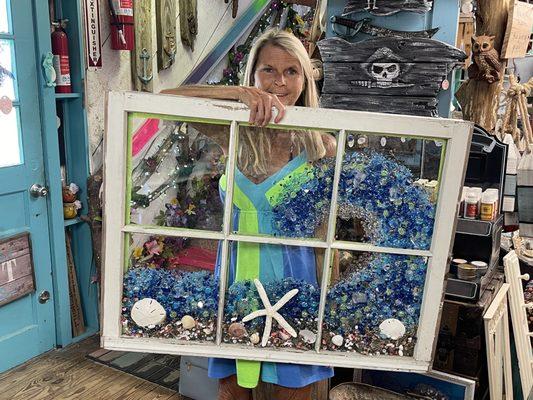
x: 255, y: 144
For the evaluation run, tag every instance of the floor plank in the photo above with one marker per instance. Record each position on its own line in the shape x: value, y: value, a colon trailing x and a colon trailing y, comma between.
x: 67, y: 374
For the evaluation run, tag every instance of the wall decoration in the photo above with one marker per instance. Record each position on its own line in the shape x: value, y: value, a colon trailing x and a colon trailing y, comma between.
x: 16, y: 268
x: 394, y: 75
x: 93, y: 41
x: 204, y: 268
x: 387, y: 7
x: 141, y: 57
x: 188, y: 13
x: 486, y: 63
x: 166, y: 33
x: 518, y: 31
x: 364, y: 26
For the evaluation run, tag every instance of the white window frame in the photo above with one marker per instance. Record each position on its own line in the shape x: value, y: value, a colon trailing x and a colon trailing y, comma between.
x: 456, y: 133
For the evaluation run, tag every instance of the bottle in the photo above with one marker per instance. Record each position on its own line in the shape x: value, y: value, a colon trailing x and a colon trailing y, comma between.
x: 495, y: 193
x: 471, y: 204
x: 487, y: 206
x: 462, y: 204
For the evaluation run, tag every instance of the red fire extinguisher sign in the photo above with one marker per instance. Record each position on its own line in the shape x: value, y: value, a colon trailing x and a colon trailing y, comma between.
x: 61, y: 57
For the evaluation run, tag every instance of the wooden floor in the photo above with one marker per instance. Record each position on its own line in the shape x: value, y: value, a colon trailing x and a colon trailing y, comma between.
x: 67, y: 374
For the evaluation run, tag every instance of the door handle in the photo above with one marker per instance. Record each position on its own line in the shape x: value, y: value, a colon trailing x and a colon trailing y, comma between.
x: 37, y: 190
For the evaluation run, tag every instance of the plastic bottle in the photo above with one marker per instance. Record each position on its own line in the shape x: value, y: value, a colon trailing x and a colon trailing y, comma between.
x: 471, y: 204
x: 487, y: 206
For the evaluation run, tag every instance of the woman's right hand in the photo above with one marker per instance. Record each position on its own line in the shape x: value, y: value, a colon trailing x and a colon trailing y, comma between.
x: 260, y: 104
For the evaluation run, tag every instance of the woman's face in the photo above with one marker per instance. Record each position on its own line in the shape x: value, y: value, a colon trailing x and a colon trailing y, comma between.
x: 279, y: 73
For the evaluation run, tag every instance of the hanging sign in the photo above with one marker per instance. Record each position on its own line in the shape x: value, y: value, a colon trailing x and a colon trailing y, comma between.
x: 92, y: 34
x: 16, y: 268
x: 519, y: 24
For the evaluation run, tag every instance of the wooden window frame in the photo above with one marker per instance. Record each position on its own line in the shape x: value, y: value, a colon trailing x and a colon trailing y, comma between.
x: 455, y: 133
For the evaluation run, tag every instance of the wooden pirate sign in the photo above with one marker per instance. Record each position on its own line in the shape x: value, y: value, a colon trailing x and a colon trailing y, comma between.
x: 387, y: 7
x: 352, y: 27
x: 401, y: 76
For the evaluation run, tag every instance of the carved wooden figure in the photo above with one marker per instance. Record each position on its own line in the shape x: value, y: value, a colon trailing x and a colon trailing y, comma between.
x: 188, y: 10
x: 486, y: 63
x: 166, y: 33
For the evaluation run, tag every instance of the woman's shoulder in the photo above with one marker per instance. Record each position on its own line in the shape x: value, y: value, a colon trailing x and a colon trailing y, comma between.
x: 330, y: 143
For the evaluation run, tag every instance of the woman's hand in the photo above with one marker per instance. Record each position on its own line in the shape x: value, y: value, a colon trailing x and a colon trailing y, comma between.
x: 260, y: 104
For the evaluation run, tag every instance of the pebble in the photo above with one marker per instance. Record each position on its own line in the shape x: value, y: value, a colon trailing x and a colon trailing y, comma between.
x: 307, y: 336
x: 255, y: 338
x: 284, y: 335
x: 337, y: 340
x: 200, y: 304
x: 208, y: 331
x: 188, y: 322
x: 237, y: 330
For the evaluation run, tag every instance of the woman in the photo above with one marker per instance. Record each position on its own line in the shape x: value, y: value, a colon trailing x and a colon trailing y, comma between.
x: 278, y: 74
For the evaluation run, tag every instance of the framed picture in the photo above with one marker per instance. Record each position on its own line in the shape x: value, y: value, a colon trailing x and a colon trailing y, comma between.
x: 336, y: 260
x: 434, y: 384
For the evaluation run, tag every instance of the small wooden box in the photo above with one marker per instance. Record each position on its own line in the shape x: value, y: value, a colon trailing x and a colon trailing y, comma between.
x: 16, y: 268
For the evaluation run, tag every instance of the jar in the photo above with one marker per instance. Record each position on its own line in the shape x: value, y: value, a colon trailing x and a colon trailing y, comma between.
x: 471, y: 205
x: 70, y: 210
x: 68, y: 195
x: 481, y: 267
x: 467, y: 272
x: 487, y: 206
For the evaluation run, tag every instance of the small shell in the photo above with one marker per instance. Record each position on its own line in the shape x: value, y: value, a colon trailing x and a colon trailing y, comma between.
x: 255, y: 338
x: 307, y: 336
x: 237, y: 330
x: 337, y: 340
x: 284, y: 335
x: 392, y: 328
x: 188, y: 322
x: 200, y: 304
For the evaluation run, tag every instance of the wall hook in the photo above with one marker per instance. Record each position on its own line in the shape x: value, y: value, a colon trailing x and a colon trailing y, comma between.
x: 145, y: 57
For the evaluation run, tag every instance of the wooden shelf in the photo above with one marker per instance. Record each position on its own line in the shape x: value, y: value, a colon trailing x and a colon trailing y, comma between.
x: 67, y: 96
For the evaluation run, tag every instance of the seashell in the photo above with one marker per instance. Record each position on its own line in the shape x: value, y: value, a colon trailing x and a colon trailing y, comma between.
x: 284, y: 335
x: 208, y: 331
x: 200, y: 304
x: 337, y: 340
x: 255, y: 338
x: 392, y: 328
x: 237, y: 330
x: 188, y: 322
x: 307, y: 336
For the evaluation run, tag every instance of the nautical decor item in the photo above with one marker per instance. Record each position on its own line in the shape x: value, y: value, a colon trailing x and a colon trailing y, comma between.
x: 387, y: 7
x: 393, y: 75
x: 364, y: 26
x: 188, y: 10
x: 486, y: 63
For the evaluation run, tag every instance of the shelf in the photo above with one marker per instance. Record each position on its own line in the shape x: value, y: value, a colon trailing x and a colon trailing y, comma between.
x: 477, y: 227
x: 73, y: 221
x: 67, y: 96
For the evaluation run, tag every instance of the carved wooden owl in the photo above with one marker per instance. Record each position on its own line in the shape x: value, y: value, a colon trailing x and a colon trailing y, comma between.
x: 486, y: 63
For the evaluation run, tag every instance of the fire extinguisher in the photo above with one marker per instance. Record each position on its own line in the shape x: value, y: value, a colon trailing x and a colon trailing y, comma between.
x: 61, y: 57
x: 122, y: 30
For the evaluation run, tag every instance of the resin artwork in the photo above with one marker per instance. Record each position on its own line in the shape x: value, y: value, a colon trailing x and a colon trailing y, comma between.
x: 178, y: 179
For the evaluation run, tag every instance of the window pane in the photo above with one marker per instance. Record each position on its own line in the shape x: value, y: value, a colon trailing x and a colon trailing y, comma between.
x: 10, y: 150
x: 373, y: 303
x: 382, y: 198
x: 279, y: 270
x: 170, y: 289
x: 7, y: 62
x: 175, y: 171
x: 278, y: 172
x: 5, y: 25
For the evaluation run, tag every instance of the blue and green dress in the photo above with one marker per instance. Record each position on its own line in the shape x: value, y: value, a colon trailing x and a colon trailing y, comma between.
x: 252, y: 214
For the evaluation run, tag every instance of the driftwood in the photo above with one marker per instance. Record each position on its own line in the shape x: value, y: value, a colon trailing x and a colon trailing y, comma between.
x: 393, y: 75
x: 479, y: 99
x: 388, y: 7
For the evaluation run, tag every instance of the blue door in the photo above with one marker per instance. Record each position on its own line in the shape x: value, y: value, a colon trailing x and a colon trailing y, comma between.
x: 27, y: 325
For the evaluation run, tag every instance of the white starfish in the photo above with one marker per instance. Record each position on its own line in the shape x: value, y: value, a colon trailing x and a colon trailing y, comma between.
x: 271, y: 312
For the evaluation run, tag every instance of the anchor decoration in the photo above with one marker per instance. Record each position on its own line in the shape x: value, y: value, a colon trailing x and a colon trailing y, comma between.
x: 145, y: 57
x: 353, y: 27
x: 387, y: 7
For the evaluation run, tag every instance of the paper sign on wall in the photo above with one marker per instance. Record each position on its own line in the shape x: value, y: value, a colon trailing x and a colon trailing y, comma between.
x: 519, y: 24
x: 92, y: 34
